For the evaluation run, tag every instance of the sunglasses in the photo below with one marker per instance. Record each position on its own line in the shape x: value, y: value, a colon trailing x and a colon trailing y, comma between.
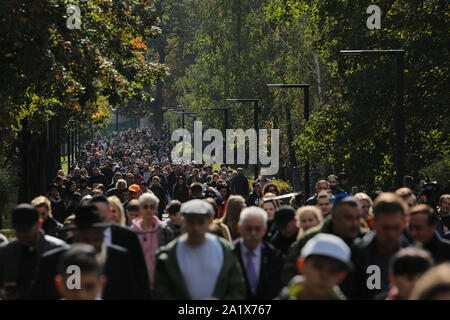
x: 149, y: 206
x: 272, y: 190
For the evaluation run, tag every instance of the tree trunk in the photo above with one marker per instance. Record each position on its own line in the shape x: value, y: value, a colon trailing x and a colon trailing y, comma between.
x: 290, y: 137
x: 38, y: 154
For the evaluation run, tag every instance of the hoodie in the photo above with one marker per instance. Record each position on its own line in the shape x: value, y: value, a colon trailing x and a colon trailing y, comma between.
x: 149, y: 242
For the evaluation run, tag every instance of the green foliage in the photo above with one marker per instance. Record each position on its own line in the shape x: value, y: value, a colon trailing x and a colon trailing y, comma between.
x: 285, y: 186
x: 439, y: 171
x: 354, y: 128
x: 8, y: 188
x: 49, y: 70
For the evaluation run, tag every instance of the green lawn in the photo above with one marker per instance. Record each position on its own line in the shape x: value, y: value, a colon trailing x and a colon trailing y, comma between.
x: 64, y: 164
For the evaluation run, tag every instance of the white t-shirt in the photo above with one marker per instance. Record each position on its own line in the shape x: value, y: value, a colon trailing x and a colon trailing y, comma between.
x: 200, y: 266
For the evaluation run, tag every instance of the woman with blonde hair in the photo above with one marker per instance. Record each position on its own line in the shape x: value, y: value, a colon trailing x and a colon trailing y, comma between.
x: 118, y: 213
x: 366, y: 205
x: 235, y: 205
x: 308, y: 217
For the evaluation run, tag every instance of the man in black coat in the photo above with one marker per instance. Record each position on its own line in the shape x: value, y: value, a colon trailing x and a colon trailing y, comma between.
x: 97, y: 177
x: 20, y: 257
x: 261, y: 262
x: 57, y: 205
x: 422, y: 228
x: 118, y: 267
x: 284, y: 229
x: 239, y: 184
x: 128, y: 239
x: 372, y: 254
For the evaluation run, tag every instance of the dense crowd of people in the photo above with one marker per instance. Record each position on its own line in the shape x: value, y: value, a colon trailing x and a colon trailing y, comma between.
x: 140, y: 226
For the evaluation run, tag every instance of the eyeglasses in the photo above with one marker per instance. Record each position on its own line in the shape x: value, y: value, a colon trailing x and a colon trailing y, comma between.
x: 149, y: 206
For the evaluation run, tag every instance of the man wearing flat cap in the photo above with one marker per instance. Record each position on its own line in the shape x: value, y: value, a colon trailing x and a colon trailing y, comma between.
x: 88, y: 229
x: 19, y: 258
x: 198, y: 265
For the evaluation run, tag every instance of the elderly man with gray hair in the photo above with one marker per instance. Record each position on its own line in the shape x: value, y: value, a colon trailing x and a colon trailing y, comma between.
x: 261, y: 262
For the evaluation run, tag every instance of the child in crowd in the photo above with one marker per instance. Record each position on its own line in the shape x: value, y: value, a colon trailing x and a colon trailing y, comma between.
x: 80, y: 274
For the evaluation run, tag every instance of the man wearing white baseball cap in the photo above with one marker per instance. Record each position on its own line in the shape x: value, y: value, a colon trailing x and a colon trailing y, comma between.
x: 323, y: 264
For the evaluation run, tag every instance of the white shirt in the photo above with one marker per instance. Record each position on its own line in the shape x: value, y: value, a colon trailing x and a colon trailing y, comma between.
x: 107, y: 237
x: 200, y: 266
x: 256, y: 257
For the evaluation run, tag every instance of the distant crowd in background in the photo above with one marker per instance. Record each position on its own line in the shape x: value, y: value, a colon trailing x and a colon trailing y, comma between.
x: 140, y: 226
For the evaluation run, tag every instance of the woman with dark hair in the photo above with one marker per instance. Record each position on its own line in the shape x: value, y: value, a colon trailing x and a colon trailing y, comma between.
x: 180, y: 190
x: 254, y: 199
x: 70, y: 186
x: 269, y: 207
x: 225, y: 193
x: 271, y: 188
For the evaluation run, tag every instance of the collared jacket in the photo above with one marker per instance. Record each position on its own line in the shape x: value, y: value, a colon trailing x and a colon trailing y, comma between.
x: 10, y: 257
x: 53, y: 228
x: 369, y: 265
x: 439, y: 249
x: 170, y: 284
x: 290, y: 267
x: 269, y: 282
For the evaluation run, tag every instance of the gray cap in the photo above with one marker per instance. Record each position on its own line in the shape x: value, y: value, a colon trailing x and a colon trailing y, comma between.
x: 197, y: 207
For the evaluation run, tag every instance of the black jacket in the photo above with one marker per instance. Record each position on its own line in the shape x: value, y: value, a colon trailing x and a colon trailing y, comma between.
x: 97, y: 179
x: 129, y: 240
x: 253, y: 199
x: 439, y: 249
x: 53, y: 228
x: 180, y: 193
x: 282, y: 243
x: 118, y: 269
x: 269, y: 284
x: 11, y: 257
x: 365, y: 254
x: 58, y: 209
x: 161, y: 194
x: 239, y: 185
